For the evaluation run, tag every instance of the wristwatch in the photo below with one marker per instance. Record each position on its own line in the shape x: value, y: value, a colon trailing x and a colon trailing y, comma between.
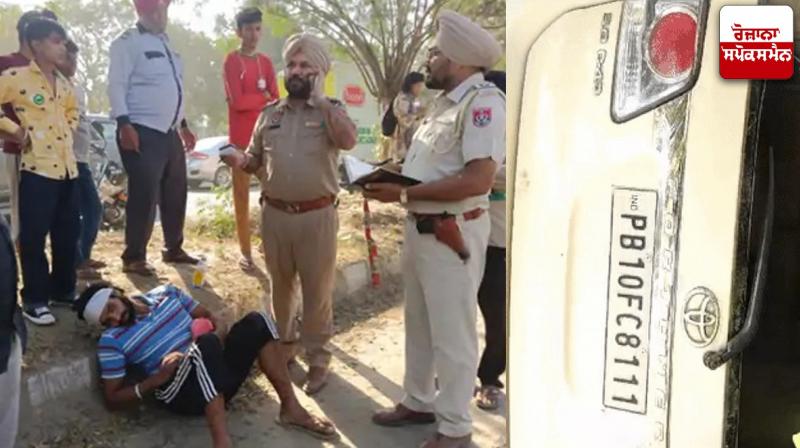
x: 404, y: 196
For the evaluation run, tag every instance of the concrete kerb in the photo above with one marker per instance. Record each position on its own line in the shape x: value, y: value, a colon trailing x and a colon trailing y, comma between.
x: 60, y: 393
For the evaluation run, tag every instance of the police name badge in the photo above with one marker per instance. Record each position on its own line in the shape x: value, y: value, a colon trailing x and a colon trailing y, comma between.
x: 275, y: 120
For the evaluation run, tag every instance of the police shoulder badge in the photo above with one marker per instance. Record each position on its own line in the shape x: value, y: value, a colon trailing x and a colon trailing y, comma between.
x: 481, y: 116
x: 274, y: 120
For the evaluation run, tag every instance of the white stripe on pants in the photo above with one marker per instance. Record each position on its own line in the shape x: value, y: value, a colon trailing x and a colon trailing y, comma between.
x: 12, y: 174
x: 9, y: 396
x: 441, y: 324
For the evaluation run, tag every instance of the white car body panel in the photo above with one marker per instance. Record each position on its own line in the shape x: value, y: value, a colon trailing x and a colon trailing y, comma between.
x: 568, y: 157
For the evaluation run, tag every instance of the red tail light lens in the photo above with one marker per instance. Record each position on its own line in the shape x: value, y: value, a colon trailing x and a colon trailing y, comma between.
x: 673, y: 45
x: 198, y: 155
x: 659, y: 49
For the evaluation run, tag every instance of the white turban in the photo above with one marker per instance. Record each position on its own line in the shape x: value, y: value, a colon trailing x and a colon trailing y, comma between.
x: 96, y: 305
x: 465, y: 42
x: 312, y: 47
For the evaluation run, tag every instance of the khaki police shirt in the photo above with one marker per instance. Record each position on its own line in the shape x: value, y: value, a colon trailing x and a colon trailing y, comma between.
x: 440, y: 149
x: 300, y: 161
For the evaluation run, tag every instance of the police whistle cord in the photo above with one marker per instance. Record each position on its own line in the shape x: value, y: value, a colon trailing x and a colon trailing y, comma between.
x: 372, y: 248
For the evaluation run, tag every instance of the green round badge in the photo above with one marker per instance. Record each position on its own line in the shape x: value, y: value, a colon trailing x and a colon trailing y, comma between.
x: 38, y: 99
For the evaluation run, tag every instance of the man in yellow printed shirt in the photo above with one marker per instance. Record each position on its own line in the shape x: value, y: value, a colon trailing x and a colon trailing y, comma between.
x: 48, y: 196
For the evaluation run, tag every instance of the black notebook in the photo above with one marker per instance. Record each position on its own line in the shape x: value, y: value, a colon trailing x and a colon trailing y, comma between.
x: 360, y: 173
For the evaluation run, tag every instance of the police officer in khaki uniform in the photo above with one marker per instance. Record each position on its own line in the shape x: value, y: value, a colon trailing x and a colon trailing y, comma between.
x: 456, y: 154
x: 297, y: 140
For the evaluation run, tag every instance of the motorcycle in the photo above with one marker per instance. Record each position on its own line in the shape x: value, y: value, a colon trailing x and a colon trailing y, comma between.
x: 112, y: 185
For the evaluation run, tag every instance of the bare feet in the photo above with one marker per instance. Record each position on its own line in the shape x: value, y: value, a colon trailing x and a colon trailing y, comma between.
x: 316, y: 380
x: 246, y: 264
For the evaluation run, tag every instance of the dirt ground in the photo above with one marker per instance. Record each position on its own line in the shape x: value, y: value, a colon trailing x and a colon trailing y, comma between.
x: 368, y: 352
x: 228, y: 289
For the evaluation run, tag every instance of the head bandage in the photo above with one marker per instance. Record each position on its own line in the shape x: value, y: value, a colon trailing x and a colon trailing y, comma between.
x: 96, y: 305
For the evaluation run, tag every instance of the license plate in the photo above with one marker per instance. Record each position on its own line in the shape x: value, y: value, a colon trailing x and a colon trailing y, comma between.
x: 630, y: 285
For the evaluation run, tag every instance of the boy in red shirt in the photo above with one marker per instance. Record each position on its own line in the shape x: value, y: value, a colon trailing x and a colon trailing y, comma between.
x: 250, y: 85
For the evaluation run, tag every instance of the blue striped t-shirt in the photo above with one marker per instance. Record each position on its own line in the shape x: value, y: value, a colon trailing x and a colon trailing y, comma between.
x: 166, y: 329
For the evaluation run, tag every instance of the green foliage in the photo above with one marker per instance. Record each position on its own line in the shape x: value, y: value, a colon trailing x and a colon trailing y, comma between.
x: 203, y: 59
x: 383, y: 38
x: 278, y: 25
x: 216, y: 219
x: 8, y: 28
x: 81, y: 20
x: 491, y: 14
x: 94, y: 24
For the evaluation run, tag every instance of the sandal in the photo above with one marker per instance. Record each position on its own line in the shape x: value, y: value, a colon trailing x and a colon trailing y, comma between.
x: 139, y: 267
x: 488, y: 398
x: 96, y: 264
x: 315, y: 427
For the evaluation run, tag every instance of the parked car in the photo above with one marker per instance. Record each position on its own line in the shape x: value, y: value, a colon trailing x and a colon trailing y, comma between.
x: 641, y: 227
x: 204, y: 165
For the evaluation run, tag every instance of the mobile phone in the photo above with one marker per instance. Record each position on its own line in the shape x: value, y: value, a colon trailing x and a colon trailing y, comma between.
x: 227, y: 150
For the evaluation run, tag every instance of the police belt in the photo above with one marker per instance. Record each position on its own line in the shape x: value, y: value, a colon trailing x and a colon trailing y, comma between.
x: 468, y: 216
x: 301, y: 206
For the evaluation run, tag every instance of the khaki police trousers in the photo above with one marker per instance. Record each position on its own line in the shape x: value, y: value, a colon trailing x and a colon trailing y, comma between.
x: 441, y: 323
x: 302, y: 244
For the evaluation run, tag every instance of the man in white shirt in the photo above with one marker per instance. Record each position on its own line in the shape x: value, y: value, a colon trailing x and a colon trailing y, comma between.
x: 91, y: 208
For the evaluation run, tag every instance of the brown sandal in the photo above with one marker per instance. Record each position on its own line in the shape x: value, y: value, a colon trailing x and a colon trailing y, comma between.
x: 139, y: 267
x: 402, y: 416
x: 315, y: 427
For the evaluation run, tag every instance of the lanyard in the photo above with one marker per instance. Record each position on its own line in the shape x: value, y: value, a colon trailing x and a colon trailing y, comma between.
x: 244, y: 69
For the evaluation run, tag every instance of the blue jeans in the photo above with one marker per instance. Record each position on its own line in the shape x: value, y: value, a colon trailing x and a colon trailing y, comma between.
x: 91, y: 210
x: 47, y: 207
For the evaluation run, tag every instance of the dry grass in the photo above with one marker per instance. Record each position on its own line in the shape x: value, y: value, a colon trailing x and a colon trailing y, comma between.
x: 229, y: 290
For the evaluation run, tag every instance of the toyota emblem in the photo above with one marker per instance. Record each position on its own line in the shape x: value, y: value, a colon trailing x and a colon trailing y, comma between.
x: 701, y: 316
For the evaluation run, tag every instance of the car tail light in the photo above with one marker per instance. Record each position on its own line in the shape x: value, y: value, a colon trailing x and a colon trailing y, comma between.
x: 658, y: 54
x: 198, y: 155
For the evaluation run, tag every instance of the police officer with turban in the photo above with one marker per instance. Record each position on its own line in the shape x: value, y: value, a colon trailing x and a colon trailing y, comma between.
x: 455, y: 153
x: 297, y: 141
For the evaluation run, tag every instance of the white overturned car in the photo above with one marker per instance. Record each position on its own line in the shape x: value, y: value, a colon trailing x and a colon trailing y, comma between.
x: 640, y: 226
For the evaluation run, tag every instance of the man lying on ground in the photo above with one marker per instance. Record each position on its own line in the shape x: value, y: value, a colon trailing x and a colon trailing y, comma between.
x: 178, y: 344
